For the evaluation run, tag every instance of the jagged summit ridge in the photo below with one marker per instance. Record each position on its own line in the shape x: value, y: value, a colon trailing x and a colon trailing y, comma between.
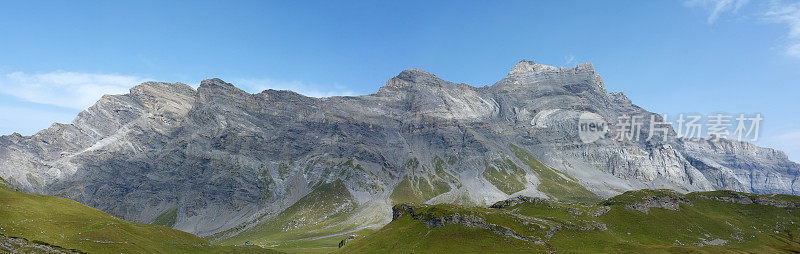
x: 525, y: 67
x: 530, y: 75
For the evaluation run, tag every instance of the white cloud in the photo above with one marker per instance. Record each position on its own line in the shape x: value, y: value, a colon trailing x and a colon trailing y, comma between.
x: 789, y: 15
x: 259, y: 85
x: 65, y: 89
x: 717, y: 7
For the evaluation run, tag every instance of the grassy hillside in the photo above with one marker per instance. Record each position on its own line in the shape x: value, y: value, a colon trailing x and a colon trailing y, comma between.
x: 307, y: 223
x: 651, y: 221
x: 419, y: 189
x: 38, y: 220
x: 555, y: 184
x: 505, y: 175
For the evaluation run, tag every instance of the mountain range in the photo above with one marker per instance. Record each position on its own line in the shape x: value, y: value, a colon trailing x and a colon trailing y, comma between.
x: 232, y: 166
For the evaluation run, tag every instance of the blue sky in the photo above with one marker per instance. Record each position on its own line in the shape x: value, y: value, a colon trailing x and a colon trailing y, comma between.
x: 696, y: 56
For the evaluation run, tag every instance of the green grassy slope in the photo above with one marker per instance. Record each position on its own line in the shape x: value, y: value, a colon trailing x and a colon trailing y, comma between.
x: 305, y: 224
x: 406, y: 235
x: 505, y: 175
x: 645, y: 221
x: 167, y: 218
x: 419, y: 189
x: 557, y: 185
x: 70, y: 225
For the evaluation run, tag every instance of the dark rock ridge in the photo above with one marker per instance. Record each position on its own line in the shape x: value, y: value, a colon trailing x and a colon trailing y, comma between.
x: 433, y: 217
x: 746, y: 199
x: 518, y: 200
x: 664, y: 202
x: 549, y: 203
x: 344, y: 242
x: 227, y: 159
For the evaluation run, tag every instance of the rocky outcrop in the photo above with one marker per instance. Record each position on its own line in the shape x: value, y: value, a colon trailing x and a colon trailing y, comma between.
x: 467, y: 220
x: 748, y: 199
x: 227, y: 159
x: 643, y: 200
x: 592, y: 211
x: 346, y: 240
x: 663, y: 202
x: 518, y: 200
x: 20, y: 245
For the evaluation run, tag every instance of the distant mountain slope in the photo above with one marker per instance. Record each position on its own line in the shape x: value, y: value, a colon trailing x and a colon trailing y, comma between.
x: 33, y: 223
x: 645, y: 221
x: 217, y: 161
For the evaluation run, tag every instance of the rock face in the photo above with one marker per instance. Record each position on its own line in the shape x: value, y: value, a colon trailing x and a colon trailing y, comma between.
x: 226, y: 159
x: 19, y: 245
x: 669, y: 202
x: 344, y: 242
x: 747, y: 199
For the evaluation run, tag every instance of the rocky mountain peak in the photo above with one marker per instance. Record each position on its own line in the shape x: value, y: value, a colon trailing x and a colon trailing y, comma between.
x: 215, y: 83
x: 217, y: 88
x: 413, y: 76
x: 528, y: 75
x: 524, y: 66
x: 620, y: 97
x: 161, y: 89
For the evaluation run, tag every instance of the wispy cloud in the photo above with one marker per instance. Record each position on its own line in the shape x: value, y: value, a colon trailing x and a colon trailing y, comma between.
x: 788, y: 142
x: 261, y: 84
x: 77, y: 90
x: 717, y: 7
x: 789, y: 15
x: 778, y: 11
x: 65, y: 89
x: 569, y: 60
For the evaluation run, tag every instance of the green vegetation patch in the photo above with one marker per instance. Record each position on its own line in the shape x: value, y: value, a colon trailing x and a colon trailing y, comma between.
x: 558, y: 185
x: 505, y: 175
x: 703, y: 222
x: 322, y: 212
x: 322, y: 245
x: 418, y: 190
x: 415, y: 189
x: 167, y: 218
x: 265, y: 182
x: 4, y: 183
x: 408, y: 192
x: 62, y: 222
x: 406, y: 235
x: 283, y: 169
